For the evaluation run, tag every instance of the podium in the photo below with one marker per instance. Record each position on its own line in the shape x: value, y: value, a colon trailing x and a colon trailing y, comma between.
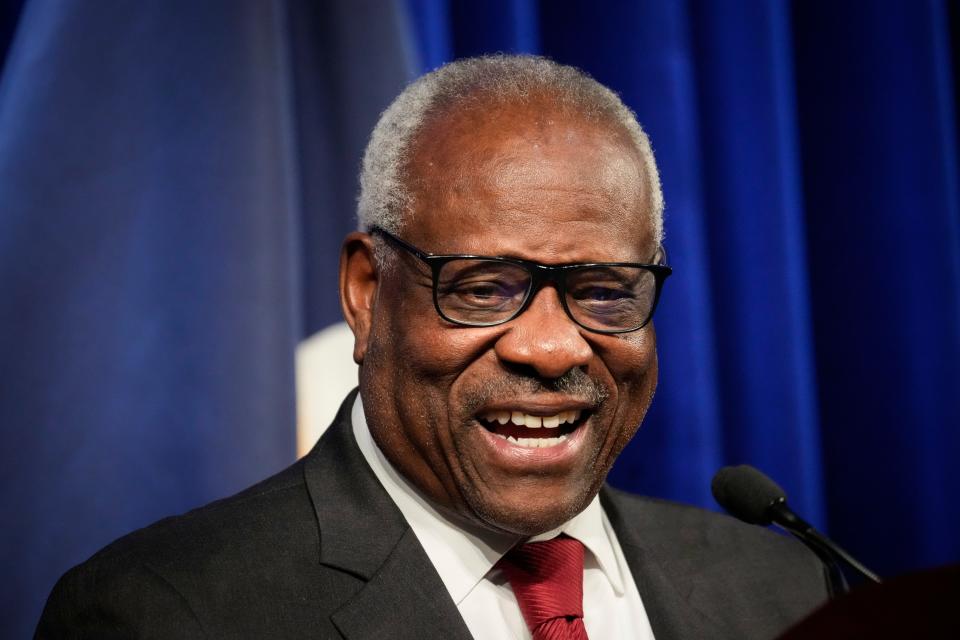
x: 915, y: 606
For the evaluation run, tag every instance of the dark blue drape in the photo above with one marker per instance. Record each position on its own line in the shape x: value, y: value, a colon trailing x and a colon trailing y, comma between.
x: 175, y: 178
x: 147, y: 259
x: 878, y: 122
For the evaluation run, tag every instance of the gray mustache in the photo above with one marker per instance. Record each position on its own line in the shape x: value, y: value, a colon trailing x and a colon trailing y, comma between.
x: 575, y: 384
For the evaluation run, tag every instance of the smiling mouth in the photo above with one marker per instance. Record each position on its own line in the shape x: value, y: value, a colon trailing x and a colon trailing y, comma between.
x: 530, y: 431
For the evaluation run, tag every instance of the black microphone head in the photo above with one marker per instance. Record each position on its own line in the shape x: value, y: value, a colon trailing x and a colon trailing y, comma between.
x: 746, y: 493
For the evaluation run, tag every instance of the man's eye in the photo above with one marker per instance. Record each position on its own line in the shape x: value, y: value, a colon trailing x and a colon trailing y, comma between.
x: 482, y: 290
x: 479, y: 293
x: 601, y: 294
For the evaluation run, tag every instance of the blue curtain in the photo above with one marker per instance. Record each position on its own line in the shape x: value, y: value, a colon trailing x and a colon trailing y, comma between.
x: 878, y: 120
x: 175, y: 178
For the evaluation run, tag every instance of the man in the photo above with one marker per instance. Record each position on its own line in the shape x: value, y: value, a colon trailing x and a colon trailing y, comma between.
x: 500, y: 296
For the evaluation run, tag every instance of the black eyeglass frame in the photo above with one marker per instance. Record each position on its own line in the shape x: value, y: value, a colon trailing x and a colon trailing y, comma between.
x: 540, y: 274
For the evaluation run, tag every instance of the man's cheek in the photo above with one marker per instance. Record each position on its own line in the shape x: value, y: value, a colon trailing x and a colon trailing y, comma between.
x: 441, y: 355
x: 633, y: 362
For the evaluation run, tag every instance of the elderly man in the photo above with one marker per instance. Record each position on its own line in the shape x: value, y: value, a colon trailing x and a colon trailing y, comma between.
x: 501, y: 297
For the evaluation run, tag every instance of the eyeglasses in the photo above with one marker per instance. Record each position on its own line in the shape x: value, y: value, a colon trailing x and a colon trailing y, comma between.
x: 481, y: 291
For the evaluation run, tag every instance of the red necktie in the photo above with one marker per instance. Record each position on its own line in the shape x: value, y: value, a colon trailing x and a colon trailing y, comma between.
x: 547, y: 578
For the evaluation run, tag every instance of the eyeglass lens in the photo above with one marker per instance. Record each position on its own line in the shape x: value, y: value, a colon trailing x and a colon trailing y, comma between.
x: 485, y: 292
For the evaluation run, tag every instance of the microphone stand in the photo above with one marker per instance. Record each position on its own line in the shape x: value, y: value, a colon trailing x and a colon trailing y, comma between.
x: 827, y: 550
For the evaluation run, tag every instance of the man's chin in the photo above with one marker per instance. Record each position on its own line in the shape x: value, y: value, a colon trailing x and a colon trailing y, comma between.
x: 530, y: 516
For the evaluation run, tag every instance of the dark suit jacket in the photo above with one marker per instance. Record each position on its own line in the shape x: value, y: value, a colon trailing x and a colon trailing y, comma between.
x: 321, y: 551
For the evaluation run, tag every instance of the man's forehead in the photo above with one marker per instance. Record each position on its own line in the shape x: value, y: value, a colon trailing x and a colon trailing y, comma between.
x: 514, y: 165
x: 486, y: 123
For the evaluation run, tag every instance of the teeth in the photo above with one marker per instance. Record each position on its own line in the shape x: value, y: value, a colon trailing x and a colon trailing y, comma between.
x: 533, y: 422
x: 533, y: 443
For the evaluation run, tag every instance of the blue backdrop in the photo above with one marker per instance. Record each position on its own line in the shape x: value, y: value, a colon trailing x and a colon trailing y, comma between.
x: 175, y: 178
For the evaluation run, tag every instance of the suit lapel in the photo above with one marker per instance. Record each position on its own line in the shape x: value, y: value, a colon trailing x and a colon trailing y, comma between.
x: 664, y: 586
x: 364, y: 534
x: 405, y: 599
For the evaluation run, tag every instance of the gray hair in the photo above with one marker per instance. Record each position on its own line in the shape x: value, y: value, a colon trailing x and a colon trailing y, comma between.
x: 385, y: 197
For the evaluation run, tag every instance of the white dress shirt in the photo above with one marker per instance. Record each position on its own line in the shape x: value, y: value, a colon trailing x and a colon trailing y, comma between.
x: 465, y: 558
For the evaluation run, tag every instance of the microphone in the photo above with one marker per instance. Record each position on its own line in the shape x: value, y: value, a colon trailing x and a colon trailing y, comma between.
x: 747, y: 494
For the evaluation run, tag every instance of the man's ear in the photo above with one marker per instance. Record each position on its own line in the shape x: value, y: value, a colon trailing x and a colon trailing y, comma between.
x: 358, y: 288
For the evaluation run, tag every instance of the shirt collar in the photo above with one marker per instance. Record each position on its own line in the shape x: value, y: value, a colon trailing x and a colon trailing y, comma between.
x: 592, y: 528
x: 462, y: 553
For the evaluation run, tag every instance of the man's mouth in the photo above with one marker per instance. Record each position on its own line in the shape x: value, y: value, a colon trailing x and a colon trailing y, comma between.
x: 532, y: 431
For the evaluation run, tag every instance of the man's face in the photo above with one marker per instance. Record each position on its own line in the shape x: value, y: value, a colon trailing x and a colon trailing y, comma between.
x: 529, y: 183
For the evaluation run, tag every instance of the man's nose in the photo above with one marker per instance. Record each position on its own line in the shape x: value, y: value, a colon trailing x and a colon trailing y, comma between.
x: 545, y: 338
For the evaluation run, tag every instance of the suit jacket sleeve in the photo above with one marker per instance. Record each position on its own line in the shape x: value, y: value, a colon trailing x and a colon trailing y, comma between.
x: 115, y: 601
